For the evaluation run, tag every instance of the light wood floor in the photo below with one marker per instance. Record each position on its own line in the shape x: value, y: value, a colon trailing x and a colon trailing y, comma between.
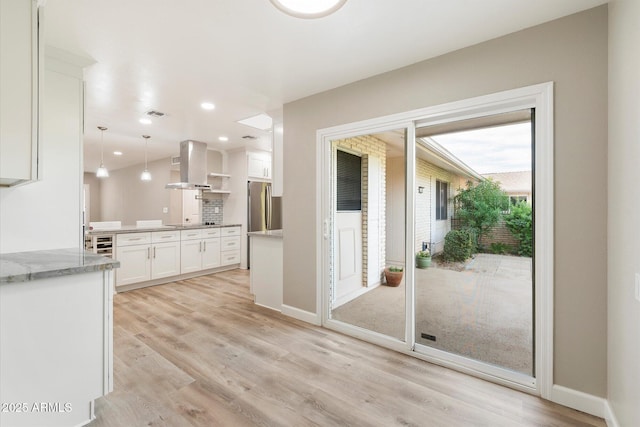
x: 199, y: 353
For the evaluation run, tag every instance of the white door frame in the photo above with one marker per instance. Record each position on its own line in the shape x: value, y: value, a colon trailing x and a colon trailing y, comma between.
x: 539, y: 97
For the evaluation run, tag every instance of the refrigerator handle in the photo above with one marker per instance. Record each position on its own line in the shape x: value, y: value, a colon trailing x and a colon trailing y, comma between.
x: 268, y: 206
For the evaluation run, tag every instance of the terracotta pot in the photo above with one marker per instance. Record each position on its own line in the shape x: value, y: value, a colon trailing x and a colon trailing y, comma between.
x: 393, y: 278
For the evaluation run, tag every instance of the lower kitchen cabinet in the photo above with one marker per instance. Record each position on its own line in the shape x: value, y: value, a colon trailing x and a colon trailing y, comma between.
x: 147, y: 256
x: 200, y: 249
x: 230, y: 246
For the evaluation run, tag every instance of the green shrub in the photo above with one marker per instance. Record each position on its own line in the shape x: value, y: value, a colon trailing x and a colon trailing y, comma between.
x: 520, y: 222
x: 480, y: 206
x: 500, y: 248
x: 458, y: 245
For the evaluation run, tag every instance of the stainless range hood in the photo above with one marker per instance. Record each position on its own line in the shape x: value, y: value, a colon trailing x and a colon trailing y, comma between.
x: 193, y: 167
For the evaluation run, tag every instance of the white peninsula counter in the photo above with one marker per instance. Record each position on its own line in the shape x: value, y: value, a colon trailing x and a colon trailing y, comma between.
x: 266, y: 268
x: 56, y: 334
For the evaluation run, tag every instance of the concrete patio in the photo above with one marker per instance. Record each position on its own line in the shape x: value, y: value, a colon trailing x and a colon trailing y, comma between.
x: 483, y: 312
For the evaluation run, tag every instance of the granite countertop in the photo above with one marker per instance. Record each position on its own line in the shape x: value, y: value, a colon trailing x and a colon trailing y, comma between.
x: 33, y: 265
x: 136, y: 229
x: 267, y: 233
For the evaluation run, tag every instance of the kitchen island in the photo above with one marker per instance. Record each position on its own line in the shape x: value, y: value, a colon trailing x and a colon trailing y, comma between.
x: 266, y: 268
x: 56, y: 336
x: 154, y: 255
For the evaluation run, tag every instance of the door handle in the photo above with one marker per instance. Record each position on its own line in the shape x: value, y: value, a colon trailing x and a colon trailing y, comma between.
x: 148, y: 253
x: 154, y: 252
x: 205, y: 246
x: 200, y: 247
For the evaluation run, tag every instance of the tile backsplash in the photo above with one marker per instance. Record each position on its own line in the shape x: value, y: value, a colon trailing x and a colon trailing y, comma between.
x: 209, y: 210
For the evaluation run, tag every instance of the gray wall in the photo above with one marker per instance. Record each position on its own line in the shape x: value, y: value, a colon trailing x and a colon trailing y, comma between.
x: 624, y: 205
x: 125, y: 198
x: 572, y: 52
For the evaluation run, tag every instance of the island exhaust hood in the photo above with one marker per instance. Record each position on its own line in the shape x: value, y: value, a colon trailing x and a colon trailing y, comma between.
x: 193, y: 167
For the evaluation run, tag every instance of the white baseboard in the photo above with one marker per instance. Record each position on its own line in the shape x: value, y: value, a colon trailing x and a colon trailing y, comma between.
x: 305, y: 316
x: 578, y: 400
x: 609, y: 416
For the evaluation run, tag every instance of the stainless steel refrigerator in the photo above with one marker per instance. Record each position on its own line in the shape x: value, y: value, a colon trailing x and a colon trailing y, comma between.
x: 263, y: 210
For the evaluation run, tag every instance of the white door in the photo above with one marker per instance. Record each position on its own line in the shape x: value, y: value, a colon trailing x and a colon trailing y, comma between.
x: 348, y: 256
x: 348, y: 227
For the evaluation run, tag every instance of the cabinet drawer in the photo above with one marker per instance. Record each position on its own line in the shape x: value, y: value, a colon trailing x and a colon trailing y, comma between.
x: 165, y: 236
x: 210, y: 232
x: 128, y: 239
x: 229, y: 243
x: 229, y: 257
x: 191, y: 234
x: 230, y: 231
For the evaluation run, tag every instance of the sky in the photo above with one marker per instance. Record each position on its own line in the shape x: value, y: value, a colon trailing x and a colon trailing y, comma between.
x: 490, y: 150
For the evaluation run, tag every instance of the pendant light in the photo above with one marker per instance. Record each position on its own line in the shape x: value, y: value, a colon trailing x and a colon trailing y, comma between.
x: 145, y: 175
x: 102, y: 172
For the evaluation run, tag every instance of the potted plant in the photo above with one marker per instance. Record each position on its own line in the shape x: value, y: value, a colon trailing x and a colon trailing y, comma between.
x: 393, y: 275
x: 423, y: 259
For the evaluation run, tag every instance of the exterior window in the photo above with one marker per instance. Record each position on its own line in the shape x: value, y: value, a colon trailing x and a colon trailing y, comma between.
x: 517, y: 199
x: 442, y: 199
x: 349, y: 180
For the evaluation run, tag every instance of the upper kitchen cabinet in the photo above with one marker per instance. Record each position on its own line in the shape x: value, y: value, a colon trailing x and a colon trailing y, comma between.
x: 20, y: 76
x: 259, y: 165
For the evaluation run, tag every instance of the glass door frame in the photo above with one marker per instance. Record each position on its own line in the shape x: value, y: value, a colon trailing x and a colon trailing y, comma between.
x: 538, y: 96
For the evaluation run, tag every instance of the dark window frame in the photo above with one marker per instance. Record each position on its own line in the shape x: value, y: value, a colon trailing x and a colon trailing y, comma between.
x: 442, y: 200
x: 348, y: 182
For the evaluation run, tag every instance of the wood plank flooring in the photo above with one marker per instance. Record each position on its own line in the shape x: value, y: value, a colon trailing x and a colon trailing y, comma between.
x: 198, y: 352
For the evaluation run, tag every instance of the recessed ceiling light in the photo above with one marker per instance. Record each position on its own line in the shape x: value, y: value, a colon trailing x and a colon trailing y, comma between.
x: 223, y: 138
x: 145, y: 121
x: 207, y: 106
x: 117, y: 153
x: 308, y: 9
x: 261, y: 121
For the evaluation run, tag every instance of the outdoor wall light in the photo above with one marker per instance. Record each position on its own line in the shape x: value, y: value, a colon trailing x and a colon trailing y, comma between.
x: 421, y: 189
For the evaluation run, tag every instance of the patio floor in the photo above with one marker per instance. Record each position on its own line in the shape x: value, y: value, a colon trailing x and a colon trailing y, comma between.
x: 483, y: 312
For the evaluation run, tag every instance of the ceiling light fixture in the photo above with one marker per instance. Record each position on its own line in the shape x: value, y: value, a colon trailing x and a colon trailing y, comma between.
x: 308, y: 9
x: 145, y: 121
x: 207, y: 106
x: 145, y: 175
x: 223, y: 138
x: 117, y: 153
x: 102, y: 172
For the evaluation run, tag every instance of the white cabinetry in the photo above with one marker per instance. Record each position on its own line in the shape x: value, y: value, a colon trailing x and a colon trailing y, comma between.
x: 147, y: 256
x: 200, y: 249
x: 259, y: 165
x: 230, y: 245
x: 165, y: 256
x: 20, y: 73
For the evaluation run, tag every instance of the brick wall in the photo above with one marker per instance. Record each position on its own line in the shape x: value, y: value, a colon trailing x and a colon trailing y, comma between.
x: 499, y: 234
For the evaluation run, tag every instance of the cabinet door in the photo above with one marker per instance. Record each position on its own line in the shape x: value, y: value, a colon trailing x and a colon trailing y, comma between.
x: 19, y: 81
x: 190, y: 256
x: 259, y: 165
x: 165, y: 260
x: 135, y: 264
x: 211, y: 253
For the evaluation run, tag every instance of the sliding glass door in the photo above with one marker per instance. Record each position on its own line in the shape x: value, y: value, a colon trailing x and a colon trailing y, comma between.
x: 437, y: 234
x: 367, y: 289
x: 473, y: 216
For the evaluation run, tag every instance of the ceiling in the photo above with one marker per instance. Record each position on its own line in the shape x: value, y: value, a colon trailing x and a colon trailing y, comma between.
x: 247, y: 57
